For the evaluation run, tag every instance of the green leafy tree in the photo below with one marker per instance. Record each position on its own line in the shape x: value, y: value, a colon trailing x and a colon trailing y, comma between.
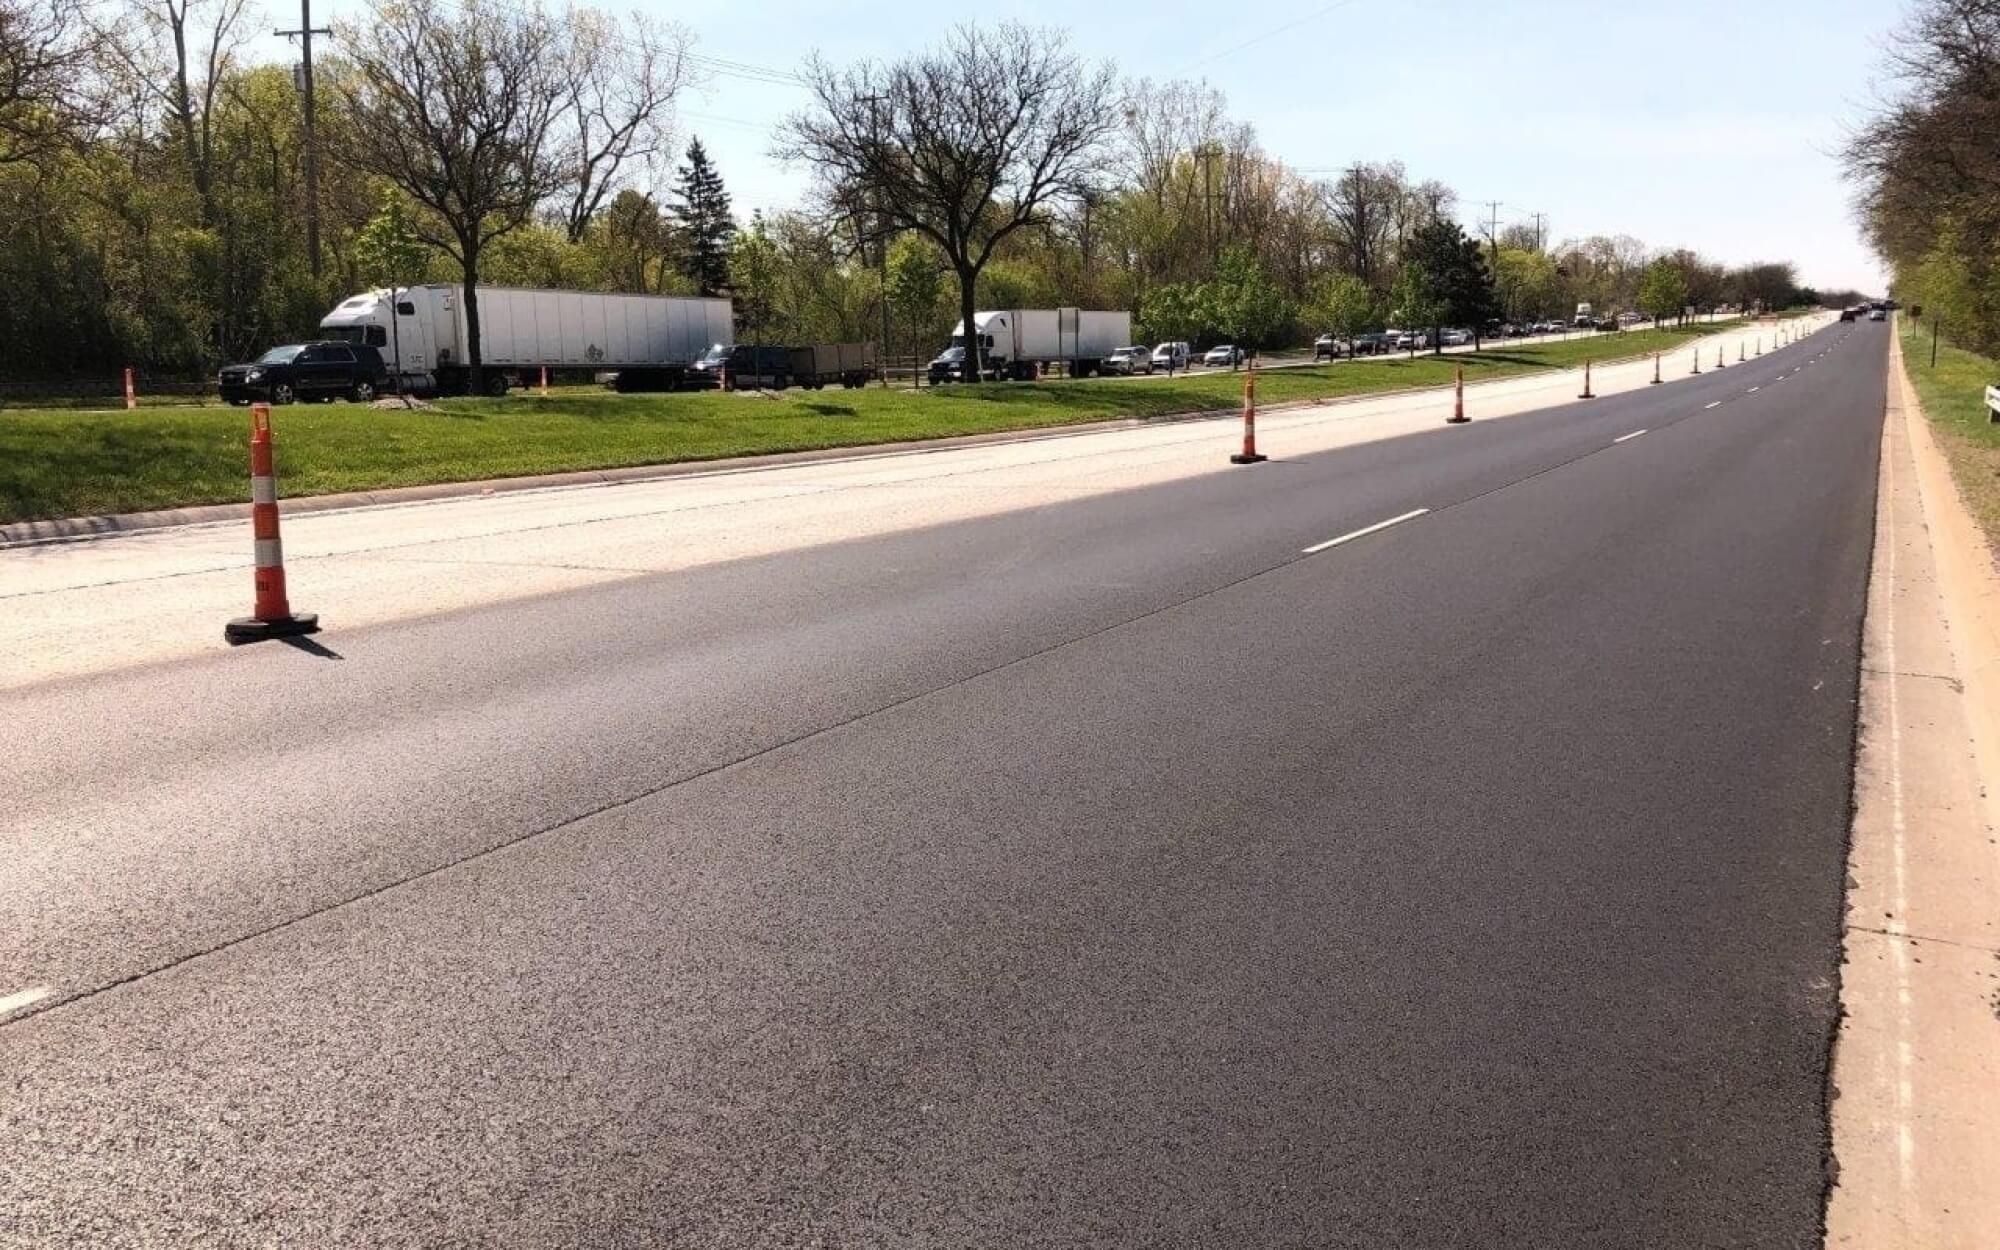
x: 755, y: 276
x: 916, y: 285
x: 1243, y: 304
x: 1663, y: 290
x: 1525, y: 282
x: 1341, y: 305
x: 1415, y: 300
x: 700, y: 208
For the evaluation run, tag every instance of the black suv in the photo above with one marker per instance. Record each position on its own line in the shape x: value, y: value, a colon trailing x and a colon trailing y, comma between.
x: 301, y: 371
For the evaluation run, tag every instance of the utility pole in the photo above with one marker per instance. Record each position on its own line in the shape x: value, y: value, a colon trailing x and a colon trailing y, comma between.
x: 1539, y: 219
x: 305, y: 34
x: 1493, y: 228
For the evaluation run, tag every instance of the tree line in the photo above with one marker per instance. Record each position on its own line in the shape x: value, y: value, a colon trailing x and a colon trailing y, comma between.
x: 155, y: 181
x: 1927, y: 165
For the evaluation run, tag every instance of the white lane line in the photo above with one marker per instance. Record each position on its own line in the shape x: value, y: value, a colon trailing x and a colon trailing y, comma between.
x: 1623, y: 437
x: 26, y: 998
x: 1364, y: 531
x: 1716, y: 404
x: 1753, y: 390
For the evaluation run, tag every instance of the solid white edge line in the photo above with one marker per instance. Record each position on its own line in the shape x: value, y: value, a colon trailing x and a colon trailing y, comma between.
x: 1622, y: 437
x: 25, y: 998
x: 1364, y: 531
x: 1716, y: 404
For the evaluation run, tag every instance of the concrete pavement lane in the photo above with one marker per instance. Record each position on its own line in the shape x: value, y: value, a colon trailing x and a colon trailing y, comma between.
x: 1107, y: 874
x: 156, y: 595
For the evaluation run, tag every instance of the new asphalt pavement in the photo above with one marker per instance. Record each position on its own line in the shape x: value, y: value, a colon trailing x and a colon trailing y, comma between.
x: 1434, y: 842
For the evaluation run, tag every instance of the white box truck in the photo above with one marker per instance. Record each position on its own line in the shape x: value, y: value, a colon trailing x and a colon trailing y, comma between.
x: 647, y: 340
x: 1019, y: 343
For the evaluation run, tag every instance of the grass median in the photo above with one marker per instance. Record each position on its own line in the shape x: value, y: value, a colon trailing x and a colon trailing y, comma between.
x: 1953, y: 394
x: 81, y: 463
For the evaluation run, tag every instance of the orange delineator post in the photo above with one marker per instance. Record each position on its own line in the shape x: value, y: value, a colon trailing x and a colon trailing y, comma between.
x: 1739, y: 351
x: 545, y: 381
x: 1586, y: 382
x: 1719, y: 362
x: 1656, y: 368
x: 1249, y: 453
x: 131, y: 393
x: 1697, y: 360
x: 1458, y: 416
x: 271, y: 615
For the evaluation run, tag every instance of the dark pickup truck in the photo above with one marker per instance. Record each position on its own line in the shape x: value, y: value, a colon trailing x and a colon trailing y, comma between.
x: 322, y: 371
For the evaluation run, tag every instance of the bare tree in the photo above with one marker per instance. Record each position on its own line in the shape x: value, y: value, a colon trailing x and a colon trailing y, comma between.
x: 621, y: 83
x: 964, y: 144
x: 458, y: 107
x: 178, y: 54
x: 48, y: 95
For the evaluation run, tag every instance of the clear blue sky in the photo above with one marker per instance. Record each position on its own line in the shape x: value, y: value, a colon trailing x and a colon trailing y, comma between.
x: 1706, y: 123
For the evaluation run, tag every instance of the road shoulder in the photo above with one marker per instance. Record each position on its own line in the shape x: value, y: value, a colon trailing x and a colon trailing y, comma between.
x: 1916, y: 1066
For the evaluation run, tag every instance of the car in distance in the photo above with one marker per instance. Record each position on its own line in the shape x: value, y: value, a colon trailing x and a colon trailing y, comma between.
x: 1372, y: 345
x: 1222, y: 354
x: 1456, y: 338
x: 1327, y: 347
x: 1847, y: 314
x: 1171, y: 356
x: 324, y: 371
x: 1876, y: 314
x: 1129, y: 360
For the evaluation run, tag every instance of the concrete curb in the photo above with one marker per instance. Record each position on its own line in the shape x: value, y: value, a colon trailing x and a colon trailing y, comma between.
x: 86, y: 528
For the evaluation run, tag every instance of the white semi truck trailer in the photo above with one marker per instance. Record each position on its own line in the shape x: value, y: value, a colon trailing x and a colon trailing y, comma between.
x: 1018, y: 343
x: 647, y: 340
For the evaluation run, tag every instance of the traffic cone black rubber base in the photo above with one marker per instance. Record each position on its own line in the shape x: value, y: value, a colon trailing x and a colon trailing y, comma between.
x: 1458, y: 420
x: 250, y: 629
x: 1587, y: 395
x: 1251, y: 457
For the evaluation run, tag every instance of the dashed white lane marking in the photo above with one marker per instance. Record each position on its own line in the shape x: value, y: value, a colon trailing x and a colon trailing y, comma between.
x: 1364, y: 531
x: 1753, y: 390
x: 1716, y: 404
x: 25, y: 998
x: 1623, y: 437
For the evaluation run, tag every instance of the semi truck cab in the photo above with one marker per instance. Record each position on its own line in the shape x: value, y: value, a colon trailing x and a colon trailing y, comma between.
x: 409, y: 344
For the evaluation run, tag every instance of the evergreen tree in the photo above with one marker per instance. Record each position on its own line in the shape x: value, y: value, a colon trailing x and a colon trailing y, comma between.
x: 701, y: 211
x: 1456, y: 268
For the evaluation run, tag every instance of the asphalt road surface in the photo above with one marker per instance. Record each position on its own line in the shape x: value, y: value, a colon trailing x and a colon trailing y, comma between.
x: 1114, y: 873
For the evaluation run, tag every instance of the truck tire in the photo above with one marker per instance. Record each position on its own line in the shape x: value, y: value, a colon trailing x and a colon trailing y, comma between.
x: 496, y: 383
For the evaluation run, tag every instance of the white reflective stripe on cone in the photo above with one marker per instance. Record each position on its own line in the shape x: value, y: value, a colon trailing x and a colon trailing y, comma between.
x: 263, y: 490
x: 270, y: 553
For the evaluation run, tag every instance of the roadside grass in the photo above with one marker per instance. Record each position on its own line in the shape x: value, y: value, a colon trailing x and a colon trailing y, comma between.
x: 1954, y: 399
x: 79, y: 463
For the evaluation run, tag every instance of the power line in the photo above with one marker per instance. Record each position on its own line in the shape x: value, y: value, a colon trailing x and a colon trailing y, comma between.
x: 1259, y: 39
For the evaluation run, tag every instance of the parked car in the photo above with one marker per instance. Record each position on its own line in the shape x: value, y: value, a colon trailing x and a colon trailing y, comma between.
x: 1372, y: 344
x: 1129, y: 360
x: 1223, y: 354
x: 1412, y: 340
x: 1171, y: 356
x: 1327, y: 347
x: 323, y: 371
x: 1456, y: 338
